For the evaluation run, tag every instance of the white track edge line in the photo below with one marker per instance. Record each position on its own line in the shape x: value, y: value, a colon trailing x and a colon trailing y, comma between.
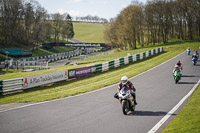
x: 170, y: 113
x: 23, y: 106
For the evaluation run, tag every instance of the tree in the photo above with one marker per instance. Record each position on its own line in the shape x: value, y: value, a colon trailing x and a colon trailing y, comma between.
x: 57, y: 24
x: 69, y: 27
x: 11, y: 15
x: 126, y: 27
x: 25, y: 22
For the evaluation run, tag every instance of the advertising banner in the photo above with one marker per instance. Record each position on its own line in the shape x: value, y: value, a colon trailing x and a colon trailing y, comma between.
x: 83, y: 71
x: 38, y: 80
x: 72, y: 73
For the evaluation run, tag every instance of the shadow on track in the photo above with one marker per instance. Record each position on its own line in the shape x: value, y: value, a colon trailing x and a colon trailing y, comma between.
x: 190, y: 76
x: 148, y: 113
x: 187, y: 83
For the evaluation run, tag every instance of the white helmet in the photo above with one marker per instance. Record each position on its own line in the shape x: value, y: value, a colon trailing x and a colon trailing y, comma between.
x: 124, y: 80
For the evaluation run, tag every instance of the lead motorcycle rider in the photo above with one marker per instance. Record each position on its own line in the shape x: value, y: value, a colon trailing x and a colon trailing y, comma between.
x: 124, y: 81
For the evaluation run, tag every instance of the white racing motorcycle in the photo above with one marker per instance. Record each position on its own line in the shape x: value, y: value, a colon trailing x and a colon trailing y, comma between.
x: 127, y: 100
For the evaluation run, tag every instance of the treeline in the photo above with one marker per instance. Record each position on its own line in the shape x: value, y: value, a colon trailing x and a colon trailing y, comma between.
x: 155, y: 22
x: 26, y: 23
x: 90, y: 18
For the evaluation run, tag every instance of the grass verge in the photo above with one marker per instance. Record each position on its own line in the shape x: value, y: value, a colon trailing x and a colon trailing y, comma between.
x: 96, y: 81
x: 187, y: 121
x: 43, y: 52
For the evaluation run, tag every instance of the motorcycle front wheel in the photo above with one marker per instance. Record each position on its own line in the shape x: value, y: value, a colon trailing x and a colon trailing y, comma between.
x: 124, y: 107
x: 176, y: 81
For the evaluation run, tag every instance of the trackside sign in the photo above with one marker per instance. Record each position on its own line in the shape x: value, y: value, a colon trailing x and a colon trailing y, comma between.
x: 33, y: 81
x: 84, y: 45
x: 81, y: 72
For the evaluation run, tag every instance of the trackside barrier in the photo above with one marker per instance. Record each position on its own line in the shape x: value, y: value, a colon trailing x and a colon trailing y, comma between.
x: 38, y: 80
x: 113, y: 64
x: 32, y: 61
x: 19, y: 84
x: 12, y: 85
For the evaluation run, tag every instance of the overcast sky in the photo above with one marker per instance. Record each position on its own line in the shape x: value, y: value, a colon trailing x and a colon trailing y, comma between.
x: 102, y: 8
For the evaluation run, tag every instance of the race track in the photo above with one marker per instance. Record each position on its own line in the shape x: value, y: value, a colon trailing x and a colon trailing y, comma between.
x: 99, y: 112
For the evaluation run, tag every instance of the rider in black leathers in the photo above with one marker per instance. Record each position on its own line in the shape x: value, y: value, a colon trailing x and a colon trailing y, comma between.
x: 124, y: 81
x: 195, y: 55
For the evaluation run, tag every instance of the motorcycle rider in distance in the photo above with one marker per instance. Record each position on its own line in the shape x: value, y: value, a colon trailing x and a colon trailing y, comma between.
x: 177, y: 68
x: 179, y: 64
x: 124, y: 81
x: 188, y: 51
x: 195, y: 55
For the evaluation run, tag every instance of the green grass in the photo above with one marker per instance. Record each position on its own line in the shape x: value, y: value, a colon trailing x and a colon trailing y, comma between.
x: 43, y: 52
x: 187, y: 121
x: 89, y: 32
x: 96, y: 81
x: 12, y: 70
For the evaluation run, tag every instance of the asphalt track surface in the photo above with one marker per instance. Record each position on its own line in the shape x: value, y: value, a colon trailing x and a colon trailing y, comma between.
x: 99, y: 112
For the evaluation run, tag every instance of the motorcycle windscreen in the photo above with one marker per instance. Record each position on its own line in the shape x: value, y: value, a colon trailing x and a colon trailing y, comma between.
x: 124, y: 89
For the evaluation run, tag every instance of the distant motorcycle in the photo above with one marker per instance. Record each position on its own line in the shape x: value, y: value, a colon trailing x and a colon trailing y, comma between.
x: 194, y: 60
x: 177, y: 76
x: 188, y: 51
x: 127, y: 100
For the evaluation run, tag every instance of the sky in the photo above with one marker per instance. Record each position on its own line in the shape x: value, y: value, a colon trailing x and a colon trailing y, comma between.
x: 78, y: 8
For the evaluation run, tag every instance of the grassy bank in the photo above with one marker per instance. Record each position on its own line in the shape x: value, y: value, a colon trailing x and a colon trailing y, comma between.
x: 85, y: 84
x: 2, y: 57
x: 187, y: 121
x: 43, y: 52
x: 86, y: 32
x: 89, y: 32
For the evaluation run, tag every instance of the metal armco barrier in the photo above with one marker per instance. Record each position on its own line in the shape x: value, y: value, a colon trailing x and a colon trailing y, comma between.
x: 33, y: 61
x: 14, y: 85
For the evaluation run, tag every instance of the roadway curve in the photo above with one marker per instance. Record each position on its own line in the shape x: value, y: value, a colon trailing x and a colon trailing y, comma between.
x: 66, y: 61
x: 99, y: 112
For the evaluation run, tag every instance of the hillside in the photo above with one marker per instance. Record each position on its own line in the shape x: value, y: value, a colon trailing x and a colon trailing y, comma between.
x: 89, y: 32
x: 85, y: 32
